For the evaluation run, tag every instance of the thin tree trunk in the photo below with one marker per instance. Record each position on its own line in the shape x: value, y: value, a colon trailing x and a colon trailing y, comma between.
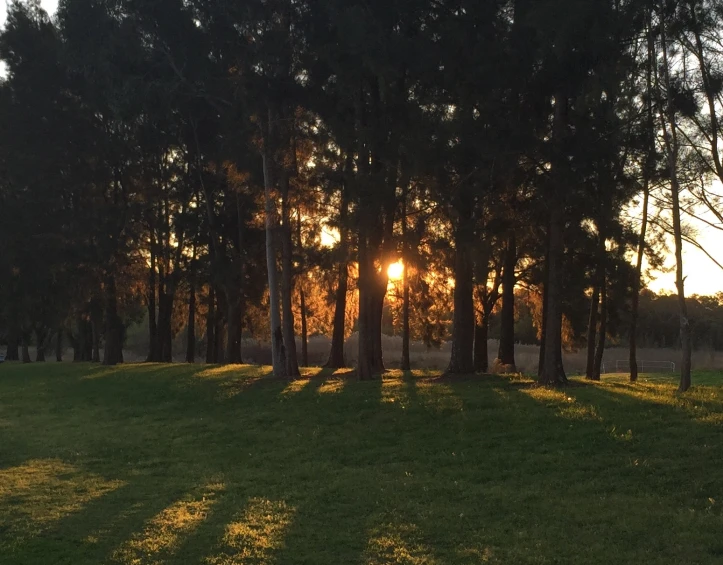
x: 191, y: 323
x: 670, y: 136
x: 602, y: 333
x: 545, y: 301
x: 302, y: 295
x: 481, y: 335
x: 211, y: 325
x: 153, y: 350
x: 649, y: 163
x: 235, y: 315
x: 506, y: 355
x: 287, y: 283
x: 304, y: 330
x: 552, y: 371
x: 220, y: 333
x: 40, y: 336
x: 461, y: 359
x: 59, y: 345
x: 592, y: 330
x: 406, y: 363
x: 278, y: 352
x: 13, y: 350
x: 336, y: 354
x: 25, y: 351
x: 92, y: 335
x: 112, y: 354
x: 636, y: 288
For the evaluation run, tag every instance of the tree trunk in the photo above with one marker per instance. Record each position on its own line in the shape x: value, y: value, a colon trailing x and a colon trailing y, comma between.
x: 636, y: 287
x: 235, y: 315
x: 153, y: 349
x: 304, y: 331
x: 670, y: 136
x: 302, y: 296
x: 592, y: 331
x: 506, y: 355
x: 543, y: 321
x: 602, y: 333
x: 406, y: 364
x: 40, y: 337
x: 278, y: 352
x: 25, y: 352
x: 336, y: 355
x: 112, y: 353
x: 481, y: 355
x: 220, y: 333
x: 287, y: 283
x: 165, y: 319
x: 59, y: 345
x: 92, y: 334
x: 191, y: 323
x: 552, y: 370
x: 371, y: 303
x: 461, y: 360
x: 211, y: 326
x: 13, y: 350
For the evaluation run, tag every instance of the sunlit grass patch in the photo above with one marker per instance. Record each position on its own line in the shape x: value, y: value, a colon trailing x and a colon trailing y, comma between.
x: 295, y: 386
x: 40, y: 492
x: 397, y: 544
x: 162, y: 534
x: 256, y: 535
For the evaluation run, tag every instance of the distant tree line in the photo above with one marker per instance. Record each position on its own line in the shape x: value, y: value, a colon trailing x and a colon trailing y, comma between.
x: 256, y: 167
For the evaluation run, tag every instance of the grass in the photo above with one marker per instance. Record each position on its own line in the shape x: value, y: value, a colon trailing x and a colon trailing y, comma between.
x: 174, y: 464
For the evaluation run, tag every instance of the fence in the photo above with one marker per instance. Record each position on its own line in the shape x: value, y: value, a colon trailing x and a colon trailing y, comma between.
x: 646, y: 366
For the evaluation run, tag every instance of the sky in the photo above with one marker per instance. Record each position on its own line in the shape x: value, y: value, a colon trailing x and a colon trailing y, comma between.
x: 702, y: 275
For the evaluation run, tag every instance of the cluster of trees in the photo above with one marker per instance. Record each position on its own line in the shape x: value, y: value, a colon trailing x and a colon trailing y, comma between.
x: 188, y: 162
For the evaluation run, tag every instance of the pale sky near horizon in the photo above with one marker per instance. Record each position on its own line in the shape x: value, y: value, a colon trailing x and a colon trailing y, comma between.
x: 703, y: 276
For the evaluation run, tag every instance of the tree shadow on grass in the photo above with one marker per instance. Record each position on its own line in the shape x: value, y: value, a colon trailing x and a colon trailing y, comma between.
x: 460, y: 472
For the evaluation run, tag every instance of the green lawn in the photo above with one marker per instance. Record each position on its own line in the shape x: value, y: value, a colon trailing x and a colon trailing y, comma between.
x: 160, y: 464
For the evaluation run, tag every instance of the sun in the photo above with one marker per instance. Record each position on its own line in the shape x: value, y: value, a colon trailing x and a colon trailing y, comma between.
x: 396, y: 271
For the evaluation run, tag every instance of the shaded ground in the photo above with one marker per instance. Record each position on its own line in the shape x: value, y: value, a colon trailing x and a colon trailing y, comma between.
x: 160, y: 464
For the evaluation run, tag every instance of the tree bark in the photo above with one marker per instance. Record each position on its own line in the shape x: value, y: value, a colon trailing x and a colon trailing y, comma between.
x: 602, y: 333
x: 112, y: 353
x: 278, y: 352
x: 153, y: 349
x: 304, y: 330
x: 592, y: 331
x: 287, y: 282
x: 481, y: 335
x: 220, y: 332
x: 670, y: 136
x: 461, y: 360
x: 211, y: 325
x: 40, y: 336
x: 25, y: 352
x: 545, y: 301
x: 93, y: 331
x: 191, y: 323
x: 13, y: 350
x: 336, y: 354
x: 552, y: 370
x: 235, y: 315
x: 406, y: 363
x: 506, y: 355
x: 59, y: 345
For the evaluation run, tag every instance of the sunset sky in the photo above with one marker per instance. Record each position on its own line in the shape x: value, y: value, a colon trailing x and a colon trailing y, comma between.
x: 703, y: 276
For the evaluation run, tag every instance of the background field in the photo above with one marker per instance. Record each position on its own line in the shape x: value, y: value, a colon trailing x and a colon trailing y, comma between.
x: 178, y: 464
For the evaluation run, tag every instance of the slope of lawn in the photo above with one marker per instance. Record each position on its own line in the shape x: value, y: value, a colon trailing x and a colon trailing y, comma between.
x: 161, y: 464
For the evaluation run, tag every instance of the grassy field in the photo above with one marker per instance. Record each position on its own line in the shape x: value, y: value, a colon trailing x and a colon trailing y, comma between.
x: 161, y: 464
